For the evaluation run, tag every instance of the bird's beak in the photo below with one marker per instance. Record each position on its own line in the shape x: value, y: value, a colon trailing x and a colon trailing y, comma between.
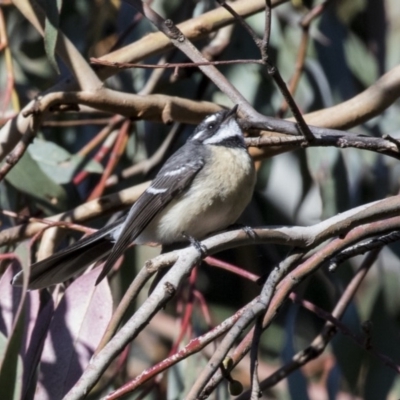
x: 231, y: 113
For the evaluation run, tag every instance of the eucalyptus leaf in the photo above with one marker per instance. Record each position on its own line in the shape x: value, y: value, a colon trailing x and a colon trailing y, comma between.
x: 384, y: 333
x: 58, y: 163
x: 29, y: 178
x: 321, y: 164
x: 349, y: 356
x: 13, y: 310
x: 79, y: 322
x: 297, y: 383
x: 51, y: 26
x: 360, y: 61
x: 10, y: 377
x: 181, y: 376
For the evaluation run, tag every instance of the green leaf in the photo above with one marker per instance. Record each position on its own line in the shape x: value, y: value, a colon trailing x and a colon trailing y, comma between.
x: 321, y: 163
x: 379, y: 378
x: 11, y: 367
x: 58, y: 163
x: 29, y: 178
x: 181, y: 376
x: 76, y: 329
x: 349, y: 356
x: 52, y: 8
x: 10, y: 377
x: 360, y: 60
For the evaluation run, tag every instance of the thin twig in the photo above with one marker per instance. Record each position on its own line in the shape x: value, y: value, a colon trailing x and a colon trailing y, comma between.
x: 264, y: 45
x: 154, y: 78
x: 98, y: 61
x: 301, y: 54
x: 186, y: 320
x: 130, y: 295
x: 241, y: 21
x: 361, y: 248
x: 215, y: 262
x: 50, y: 223
x: 189, y: 257
x: 179, y: 40
x: 271, y: 69
x: 100, y: 154
x: 295, y: 278
x: 244, y: 321
x: 255, y: 343
x: 195, y: 345
x: 112, y: 124
x: 364, y: 343
x: 391, y: 139
x: 303, y: 127
x: 147, y: 165
x: 329, y: 330
x: 325, y: 138
x: 115, y: 155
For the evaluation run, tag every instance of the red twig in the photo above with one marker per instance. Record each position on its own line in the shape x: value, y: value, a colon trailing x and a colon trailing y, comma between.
x: 194, y: 346
x: 115, y: 155
x: 204, y: 308
x: 186, y: 321
x: 50, y: 223
x: 215, y: 262
x: 101, y: 153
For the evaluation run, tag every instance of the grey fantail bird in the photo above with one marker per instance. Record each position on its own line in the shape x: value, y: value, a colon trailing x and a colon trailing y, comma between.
x: 202, y: 188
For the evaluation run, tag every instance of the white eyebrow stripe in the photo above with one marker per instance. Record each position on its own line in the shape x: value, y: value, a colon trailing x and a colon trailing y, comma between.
x: 208, y: 120
x: 154, y: 190
x: 211, y: 118
x: 229, y: 130
x: 175, y: 171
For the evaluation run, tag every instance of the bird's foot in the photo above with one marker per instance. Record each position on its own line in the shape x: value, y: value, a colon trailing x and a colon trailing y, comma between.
x: 196, y: 244
x: 248, y: 230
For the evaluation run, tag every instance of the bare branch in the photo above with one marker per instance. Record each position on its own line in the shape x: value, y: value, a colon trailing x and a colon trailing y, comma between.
x: 187, y: 258
x: 329, y: 330
x: 179, y: 40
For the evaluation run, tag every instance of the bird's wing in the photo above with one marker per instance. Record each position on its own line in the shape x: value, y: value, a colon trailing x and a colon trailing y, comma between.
x: 175, y: 176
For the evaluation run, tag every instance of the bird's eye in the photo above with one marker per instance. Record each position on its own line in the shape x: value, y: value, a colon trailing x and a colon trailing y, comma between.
x: 210, y: 126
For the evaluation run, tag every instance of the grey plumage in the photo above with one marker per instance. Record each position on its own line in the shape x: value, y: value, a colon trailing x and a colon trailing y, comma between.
x: 202, y: 188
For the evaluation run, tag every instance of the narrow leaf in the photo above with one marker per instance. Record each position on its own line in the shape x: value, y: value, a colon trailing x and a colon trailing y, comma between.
x: 53, y: 8
x: 37, y: 332
x: 13, y: 312
x: 10, y: 377
x: 75, y: 331
x: 27, y: 177
x: 58, y: 163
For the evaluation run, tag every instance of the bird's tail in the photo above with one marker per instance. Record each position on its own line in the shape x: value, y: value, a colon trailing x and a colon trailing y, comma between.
x: 71, y: 261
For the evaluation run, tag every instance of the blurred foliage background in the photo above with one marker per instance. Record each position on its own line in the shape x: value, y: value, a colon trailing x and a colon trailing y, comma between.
x: 352, y: 44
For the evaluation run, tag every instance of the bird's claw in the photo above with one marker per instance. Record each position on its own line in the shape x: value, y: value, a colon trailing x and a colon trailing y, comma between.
x: 196, y: 244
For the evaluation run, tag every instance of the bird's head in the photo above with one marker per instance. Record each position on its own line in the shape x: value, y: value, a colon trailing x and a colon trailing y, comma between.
x: 220, y: 129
